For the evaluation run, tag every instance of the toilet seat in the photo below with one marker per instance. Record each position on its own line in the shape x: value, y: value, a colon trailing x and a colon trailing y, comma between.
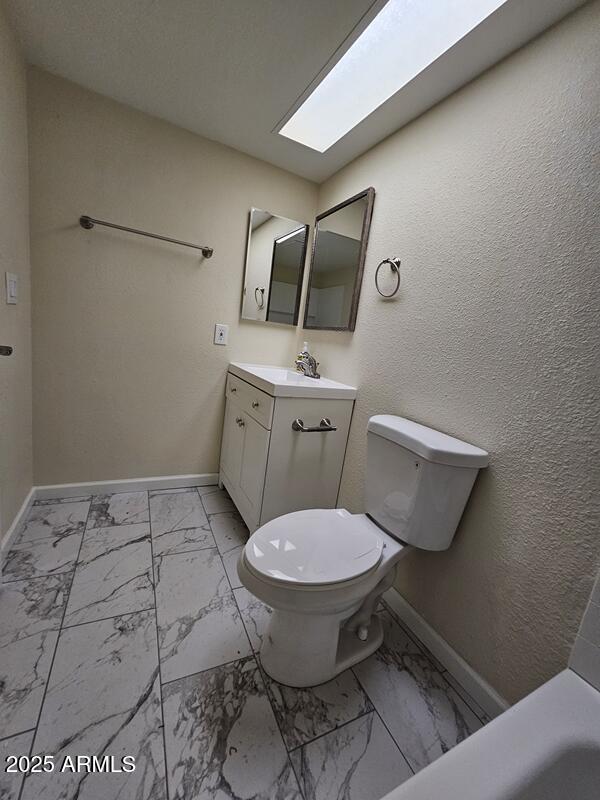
x: 317, y: 547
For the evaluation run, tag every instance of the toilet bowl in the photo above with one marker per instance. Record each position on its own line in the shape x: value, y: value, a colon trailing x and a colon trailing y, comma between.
x: 323, y: 571
x: 317, y: 570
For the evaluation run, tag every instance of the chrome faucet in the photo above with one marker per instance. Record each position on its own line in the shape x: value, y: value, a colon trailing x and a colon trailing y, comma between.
x: 307, y: 364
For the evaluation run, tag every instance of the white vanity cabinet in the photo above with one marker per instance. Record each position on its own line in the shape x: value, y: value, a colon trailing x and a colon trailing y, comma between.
x: 269, y: 468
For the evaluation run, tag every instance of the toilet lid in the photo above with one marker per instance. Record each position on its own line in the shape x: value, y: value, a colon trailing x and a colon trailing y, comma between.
x: 315, y: 547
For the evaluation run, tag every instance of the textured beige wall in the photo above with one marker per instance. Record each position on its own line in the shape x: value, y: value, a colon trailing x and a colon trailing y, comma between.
x: 127, y: 380
x: 491, y: 200
x: 15, y: 320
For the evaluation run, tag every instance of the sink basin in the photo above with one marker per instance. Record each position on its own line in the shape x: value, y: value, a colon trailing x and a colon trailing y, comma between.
x: 284, y: 382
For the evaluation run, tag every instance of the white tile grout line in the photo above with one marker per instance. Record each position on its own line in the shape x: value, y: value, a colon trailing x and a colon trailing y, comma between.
x: 254, y: 654
x: 208, y: 517
x: 60, y: 628
x: 383, y: 722
x: 209, y: 669
x: 14, y: 735
x: 38, y: 577
x: 63, y: 627
x: 160, y: 680
x: 104, y: 619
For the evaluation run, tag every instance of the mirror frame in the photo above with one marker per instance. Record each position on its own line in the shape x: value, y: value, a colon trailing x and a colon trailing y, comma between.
x: 369, y: 194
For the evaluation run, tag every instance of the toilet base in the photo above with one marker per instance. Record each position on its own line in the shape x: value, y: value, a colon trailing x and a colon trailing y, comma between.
x: 351, y: 649
x: 316, y: 633
x: 316, y: 663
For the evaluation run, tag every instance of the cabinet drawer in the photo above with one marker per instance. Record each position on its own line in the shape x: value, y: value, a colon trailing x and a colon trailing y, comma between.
x: 253, y: 401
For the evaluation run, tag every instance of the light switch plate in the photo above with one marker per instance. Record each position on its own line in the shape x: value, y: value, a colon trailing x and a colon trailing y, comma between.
x: 12, y: 288
x: 221, y: 333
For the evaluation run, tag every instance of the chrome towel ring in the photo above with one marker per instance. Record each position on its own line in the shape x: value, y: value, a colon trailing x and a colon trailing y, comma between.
x: 260, y: 300
x: 395, y: 267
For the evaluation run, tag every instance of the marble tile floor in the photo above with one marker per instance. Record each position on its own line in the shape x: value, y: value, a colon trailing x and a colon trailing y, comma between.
x: 124, y: 630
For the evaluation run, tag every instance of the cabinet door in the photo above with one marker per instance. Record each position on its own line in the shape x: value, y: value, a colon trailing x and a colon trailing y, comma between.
x: 253, y: 463
x: 232, y: 445
x: 304, y: 469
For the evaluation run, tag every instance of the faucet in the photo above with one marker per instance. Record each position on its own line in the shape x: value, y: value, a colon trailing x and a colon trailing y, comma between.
x: 307, y: 364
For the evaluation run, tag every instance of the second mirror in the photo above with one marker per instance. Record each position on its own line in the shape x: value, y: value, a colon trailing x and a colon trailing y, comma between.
x: 338, y: 259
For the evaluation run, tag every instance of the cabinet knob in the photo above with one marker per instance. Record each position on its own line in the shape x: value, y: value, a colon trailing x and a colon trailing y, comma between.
x: 240, y: 422
x: 255, y: 404
x: 232, y: 389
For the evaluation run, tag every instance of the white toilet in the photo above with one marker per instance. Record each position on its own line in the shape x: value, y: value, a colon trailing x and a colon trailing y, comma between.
x: 323, y: 571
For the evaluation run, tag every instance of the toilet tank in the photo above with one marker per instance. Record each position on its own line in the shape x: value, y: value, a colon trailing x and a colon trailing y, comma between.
x: 418, y: 480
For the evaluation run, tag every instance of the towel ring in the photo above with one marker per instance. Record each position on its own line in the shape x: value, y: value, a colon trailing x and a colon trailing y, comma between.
x: 395, y: 267
x: 260, y: 303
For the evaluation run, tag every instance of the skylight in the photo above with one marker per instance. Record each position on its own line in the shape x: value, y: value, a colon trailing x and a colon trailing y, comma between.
x: 401, y: 41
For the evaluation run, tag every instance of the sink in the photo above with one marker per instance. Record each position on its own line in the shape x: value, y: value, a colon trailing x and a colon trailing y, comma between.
x: 284, y: 382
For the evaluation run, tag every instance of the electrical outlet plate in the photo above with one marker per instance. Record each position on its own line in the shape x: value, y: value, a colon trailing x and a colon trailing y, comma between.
x: 221, y: 333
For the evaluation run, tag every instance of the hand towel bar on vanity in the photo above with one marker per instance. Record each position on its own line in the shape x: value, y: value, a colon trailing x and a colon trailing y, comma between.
x: 284, y: 440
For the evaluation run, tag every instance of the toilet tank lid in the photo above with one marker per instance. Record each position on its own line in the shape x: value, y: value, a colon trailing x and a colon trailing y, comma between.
x: 427, y: 443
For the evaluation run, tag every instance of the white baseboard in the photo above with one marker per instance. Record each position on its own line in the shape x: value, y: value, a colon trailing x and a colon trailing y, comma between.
x: 479, y: 689
x: 60, y: 490
x: 16, y: 525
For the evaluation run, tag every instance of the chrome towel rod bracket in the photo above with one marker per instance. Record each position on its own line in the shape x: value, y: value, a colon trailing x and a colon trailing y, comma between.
x: 88, y: 223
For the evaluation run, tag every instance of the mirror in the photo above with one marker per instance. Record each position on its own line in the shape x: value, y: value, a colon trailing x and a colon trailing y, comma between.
x: 338, y: 259
x: 274, y: 268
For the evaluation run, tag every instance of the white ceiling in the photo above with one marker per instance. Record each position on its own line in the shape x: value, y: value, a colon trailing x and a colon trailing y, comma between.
x: 232, y: 70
